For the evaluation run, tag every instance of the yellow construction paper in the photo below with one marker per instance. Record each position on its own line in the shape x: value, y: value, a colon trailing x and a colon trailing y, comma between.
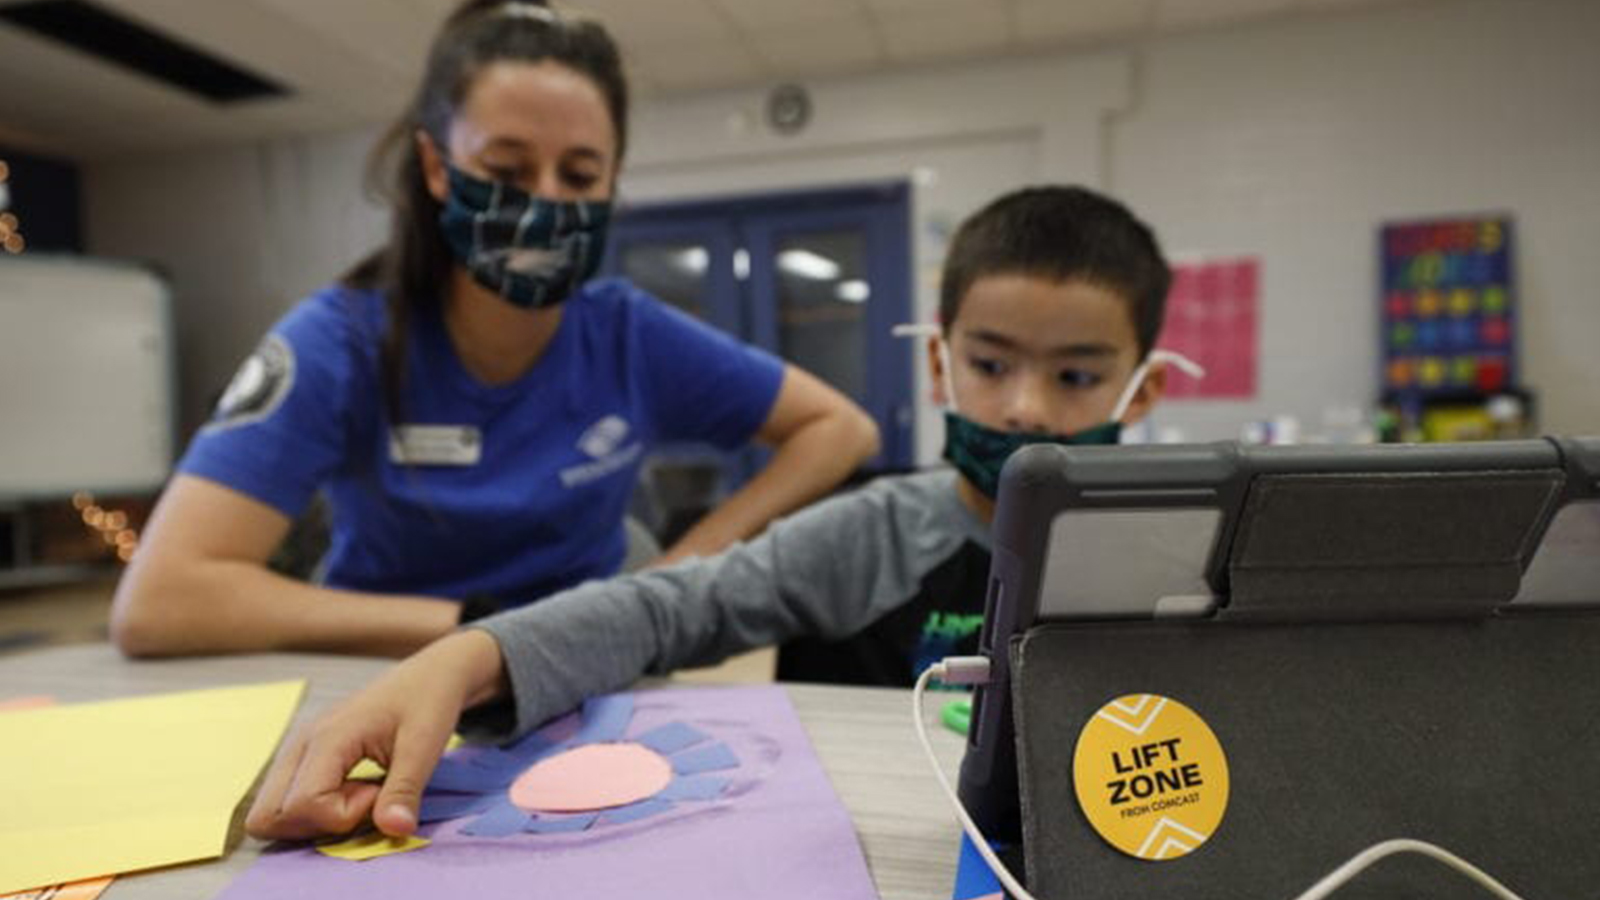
x: 371, y: 845
x: 94, y: 789
x: 370, y: 770
x: 78, y: 890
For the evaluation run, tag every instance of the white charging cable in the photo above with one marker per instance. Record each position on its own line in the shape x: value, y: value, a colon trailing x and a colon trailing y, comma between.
x: 974, y: 670
x: 1361, y: 861
x: 961, y: 670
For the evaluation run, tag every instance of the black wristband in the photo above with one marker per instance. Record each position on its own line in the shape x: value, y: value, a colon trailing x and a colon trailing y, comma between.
x: 477, y: 607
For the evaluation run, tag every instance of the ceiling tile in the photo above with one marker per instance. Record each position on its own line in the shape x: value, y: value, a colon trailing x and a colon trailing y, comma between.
x: 1180, y: 14
x: 831, y: 47
x: 1048, y: 21
x: 386, y: 33
x: 758, y: 15
x: 658, y: 21
x: 268, y: 43
x: 939, y: 29
x: 692, y: 65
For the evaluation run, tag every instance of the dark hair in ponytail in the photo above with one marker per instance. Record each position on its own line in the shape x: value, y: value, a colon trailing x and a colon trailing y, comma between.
x: 413, y: 268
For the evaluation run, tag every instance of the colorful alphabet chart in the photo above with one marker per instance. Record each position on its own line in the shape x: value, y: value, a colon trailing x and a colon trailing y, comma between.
x: 1448, y: 307
x: 1211, y: 318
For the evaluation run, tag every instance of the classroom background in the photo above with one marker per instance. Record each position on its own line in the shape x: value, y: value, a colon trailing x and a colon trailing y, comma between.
x: 794, y: 173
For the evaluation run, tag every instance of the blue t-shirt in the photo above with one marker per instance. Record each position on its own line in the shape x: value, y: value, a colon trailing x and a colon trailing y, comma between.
x: 516, y: 490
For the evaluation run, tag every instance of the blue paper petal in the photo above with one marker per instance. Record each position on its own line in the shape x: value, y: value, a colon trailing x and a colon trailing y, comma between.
x: 501, y: 820
x: 704, y: 759
x: 562, y: 824
x: 694, y: 787
x: 438, y: 807
x: 671, y: 737
x: 635, y: 811
x: 454, y: 775
x: 604, y: 719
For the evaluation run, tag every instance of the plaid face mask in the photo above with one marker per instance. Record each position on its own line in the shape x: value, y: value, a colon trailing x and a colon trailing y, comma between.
x: 531, y: 251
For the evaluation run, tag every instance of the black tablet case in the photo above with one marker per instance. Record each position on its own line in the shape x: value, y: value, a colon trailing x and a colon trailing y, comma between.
x: 1480, y: 736
x: 1364, y: 686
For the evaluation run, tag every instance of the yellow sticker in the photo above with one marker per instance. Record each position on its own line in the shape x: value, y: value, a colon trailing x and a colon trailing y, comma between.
x: 371, y: 845
x: 1151, y: 777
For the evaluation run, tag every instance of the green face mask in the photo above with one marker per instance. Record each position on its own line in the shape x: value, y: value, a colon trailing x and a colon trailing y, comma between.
x: 979, y: 452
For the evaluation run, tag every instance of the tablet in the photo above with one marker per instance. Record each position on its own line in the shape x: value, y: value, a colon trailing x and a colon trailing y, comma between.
x: 1224, y: 533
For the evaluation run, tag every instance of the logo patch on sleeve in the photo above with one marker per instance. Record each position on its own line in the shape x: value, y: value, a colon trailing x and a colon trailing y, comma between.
x: 258, y: 388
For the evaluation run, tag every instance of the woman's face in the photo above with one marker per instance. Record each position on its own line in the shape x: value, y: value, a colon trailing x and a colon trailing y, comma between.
x: 542, y: 127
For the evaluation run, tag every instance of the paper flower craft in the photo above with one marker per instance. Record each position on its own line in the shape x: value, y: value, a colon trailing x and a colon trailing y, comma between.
x: 592, y: 779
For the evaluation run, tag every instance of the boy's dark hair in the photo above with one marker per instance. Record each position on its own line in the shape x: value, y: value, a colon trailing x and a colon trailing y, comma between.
x: 1061, y: 234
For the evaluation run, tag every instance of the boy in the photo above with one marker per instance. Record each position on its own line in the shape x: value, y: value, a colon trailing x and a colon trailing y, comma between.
x: 1051, y: 302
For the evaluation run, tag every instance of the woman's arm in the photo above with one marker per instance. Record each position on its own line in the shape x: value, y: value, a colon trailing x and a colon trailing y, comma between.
x: 199, y: 584
x: 819, y: 436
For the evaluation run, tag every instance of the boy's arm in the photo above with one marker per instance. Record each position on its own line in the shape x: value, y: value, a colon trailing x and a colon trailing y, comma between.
x: 829, y: 570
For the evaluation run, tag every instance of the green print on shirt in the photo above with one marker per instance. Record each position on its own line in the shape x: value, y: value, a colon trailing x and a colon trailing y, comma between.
x: 952, y: 626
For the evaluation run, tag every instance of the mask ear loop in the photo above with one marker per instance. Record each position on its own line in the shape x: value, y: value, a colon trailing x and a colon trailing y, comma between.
x: 924, y: 330
x: 1184, y: 364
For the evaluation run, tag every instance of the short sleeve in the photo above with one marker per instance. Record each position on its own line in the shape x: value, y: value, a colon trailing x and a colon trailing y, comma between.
x: 705, y: 384
x: 281, y: 426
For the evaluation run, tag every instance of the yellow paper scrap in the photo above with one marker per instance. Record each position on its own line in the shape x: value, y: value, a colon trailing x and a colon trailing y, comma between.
x: 95, y: 789
x: 371, y: 845
x: 370, y: 770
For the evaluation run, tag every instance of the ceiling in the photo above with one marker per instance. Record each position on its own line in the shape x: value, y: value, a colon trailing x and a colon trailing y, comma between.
x: 351, y: 62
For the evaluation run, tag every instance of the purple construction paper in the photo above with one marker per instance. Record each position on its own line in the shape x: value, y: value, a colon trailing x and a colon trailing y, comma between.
x: 543, y: 824
x: 776, y: 832
x: 499, y: 821
x: 633, y: 812
x: 704, y: 759
x: 670, y: 738
x: 694, y: 787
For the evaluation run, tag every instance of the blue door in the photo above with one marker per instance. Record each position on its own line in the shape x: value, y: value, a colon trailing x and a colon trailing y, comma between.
x: 818, y: 278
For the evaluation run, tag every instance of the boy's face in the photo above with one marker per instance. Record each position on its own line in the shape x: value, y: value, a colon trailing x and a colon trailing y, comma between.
x: 1033, y: 354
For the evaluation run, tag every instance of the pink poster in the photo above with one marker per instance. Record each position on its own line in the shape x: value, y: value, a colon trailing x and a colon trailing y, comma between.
x: 1211, y: 318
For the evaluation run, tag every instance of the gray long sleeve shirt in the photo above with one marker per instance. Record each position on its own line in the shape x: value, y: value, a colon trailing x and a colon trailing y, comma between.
x: 839, y: 569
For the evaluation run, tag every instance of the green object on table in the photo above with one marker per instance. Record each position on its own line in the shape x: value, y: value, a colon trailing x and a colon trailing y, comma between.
x: 957, y: 715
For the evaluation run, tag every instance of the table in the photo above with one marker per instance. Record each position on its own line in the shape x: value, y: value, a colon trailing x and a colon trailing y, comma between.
x: 863, y: 736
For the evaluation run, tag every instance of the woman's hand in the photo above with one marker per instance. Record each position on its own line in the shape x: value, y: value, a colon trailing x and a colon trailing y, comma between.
x: 402, y: 721
x: 818, y: 435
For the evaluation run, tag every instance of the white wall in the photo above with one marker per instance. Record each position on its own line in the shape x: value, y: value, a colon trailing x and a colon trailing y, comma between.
x: 1291, y: 140
x: 241, y: 233
x: 1295, y: 140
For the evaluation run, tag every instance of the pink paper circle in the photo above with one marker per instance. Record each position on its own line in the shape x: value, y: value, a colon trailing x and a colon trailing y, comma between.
x: 593, y: 776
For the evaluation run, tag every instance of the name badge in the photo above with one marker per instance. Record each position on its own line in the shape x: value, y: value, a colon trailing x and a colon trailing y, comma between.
x: 435, y: 445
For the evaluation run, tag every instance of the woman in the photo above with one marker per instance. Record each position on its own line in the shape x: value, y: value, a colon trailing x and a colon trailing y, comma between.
x: 471, y: 406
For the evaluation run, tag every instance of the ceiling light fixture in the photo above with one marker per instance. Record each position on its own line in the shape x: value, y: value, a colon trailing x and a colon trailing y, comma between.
x: 807, y: 264
x: 854, y: 290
